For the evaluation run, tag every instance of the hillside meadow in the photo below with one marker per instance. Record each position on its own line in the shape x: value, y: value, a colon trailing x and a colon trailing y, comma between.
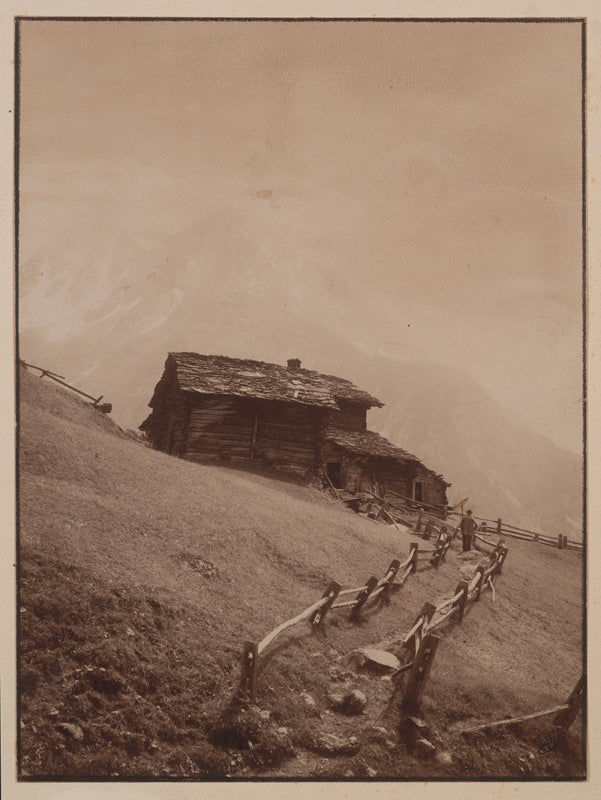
x: 141, y: 576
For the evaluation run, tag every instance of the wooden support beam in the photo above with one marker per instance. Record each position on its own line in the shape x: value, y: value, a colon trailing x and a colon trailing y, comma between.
x: 418, y: 524
x: 418, y: 677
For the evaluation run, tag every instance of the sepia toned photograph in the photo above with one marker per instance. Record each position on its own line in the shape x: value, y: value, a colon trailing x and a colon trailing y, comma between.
x: 300, y: 314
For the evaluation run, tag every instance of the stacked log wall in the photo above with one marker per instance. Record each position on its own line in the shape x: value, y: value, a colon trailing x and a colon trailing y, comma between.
x: 434, y: 489
x: 288, y: 436
x: 219, y: 427
x: 351, y: 416
x: 167, y: 412
x: 282, y: 435
x: 397, y: 477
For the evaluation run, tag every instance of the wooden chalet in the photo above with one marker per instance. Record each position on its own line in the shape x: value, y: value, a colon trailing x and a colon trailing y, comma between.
x: 288, y: 418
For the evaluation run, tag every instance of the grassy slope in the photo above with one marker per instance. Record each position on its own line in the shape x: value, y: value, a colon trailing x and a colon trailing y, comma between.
x: 142, y: 575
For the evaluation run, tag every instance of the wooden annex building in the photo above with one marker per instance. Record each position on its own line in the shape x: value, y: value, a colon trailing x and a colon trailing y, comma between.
x: 288, y: 418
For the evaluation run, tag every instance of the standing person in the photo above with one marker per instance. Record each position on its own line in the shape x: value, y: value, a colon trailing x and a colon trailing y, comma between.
x: 468, y: 529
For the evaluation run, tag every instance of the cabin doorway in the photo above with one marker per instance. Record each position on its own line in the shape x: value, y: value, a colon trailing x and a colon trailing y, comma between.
x: 418, y: 491
x: 334, y: 473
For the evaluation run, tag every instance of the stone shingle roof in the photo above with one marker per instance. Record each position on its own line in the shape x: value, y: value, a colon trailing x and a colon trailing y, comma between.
x: 257, y: 379
x: 370, y: 443
x: 367, y: 442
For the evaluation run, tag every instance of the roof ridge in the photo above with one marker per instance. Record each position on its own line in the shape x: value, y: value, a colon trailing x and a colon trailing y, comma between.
x: 215, y: 374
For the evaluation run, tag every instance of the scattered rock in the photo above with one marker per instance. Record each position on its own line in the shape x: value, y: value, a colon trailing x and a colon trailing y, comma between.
x: 424, y: 748
x: 282, y: 731
x: 340, y: 675
x: 68, y: 729
x: 444, y: 758
x: 418, y: 722
x: 130, y: 632
x: 333, y: 745
x: 353, y: 702
x: 380, y: 658
x: 335, y: 699
x: 53, y: 712
x: 308, y: 700
x: 264, y: 714
x: 371, y: 772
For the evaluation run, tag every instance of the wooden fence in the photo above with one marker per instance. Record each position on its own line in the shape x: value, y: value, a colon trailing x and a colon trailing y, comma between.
x: 501, y: 528
x: 106, y: 408
x: 395, y: 505
x: 354, y: 600
x: 420, y: 640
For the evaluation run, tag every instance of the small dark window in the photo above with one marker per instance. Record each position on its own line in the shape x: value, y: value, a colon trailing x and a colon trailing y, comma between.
x: 334, y: 473
x: 417, y: 491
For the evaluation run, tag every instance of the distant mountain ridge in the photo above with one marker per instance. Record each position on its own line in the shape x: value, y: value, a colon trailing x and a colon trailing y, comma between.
x: 104, y: 310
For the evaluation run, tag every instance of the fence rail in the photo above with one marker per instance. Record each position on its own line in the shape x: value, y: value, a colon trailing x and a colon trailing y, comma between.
x: 372, y: 590
x: 502, y: 528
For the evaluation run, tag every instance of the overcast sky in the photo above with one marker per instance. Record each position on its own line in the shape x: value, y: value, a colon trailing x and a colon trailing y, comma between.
x: 438, y: 166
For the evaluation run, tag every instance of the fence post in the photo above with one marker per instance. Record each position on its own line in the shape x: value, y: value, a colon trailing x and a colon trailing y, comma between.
x: 390, y: 576
x: 317, y: 617
x: 363, y: 596
x: 478, y: 588
x: 426, y: 613
x: 428, y: 529
x: 463, y: 587
x: 559, y: 541
x: 565, y: 541
x: 248, y: 677
x: 566, y: 717
x: 499, y: 526
x: 413, y: 551
x: 418, y: 524
x: 501, y: 558
x: 420, y: 672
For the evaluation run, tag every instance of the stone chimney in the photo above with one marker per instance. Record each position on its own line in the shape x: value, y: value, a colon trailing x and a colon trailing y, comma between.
x: 293, y: 364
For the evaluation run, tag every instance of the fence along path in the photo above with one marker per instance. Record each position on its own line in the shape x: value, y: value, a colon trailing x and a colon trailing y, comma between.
x: 435, y: 513
x: 373, y: 590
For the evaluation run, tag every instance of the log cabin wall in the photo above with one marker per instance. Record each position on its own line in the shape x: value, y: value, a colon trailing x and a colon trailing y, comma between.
x: 397, y: 477
x: 351, y: 416
x: 282, y: 435
x: 358, y: 473
x: 288, y: 436
x: 434, y: 489
x: 168, y: 412
x: 219, y: 427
